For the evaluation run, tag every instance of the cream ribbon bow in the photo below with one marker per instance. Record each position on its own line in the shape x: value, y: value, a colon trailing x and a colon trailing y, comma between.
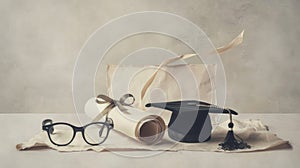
x: 125, y: 100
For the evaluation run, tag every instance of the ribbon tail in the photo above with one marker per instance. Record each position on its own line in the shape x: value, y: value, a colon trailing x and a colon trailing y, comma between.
x: 122, y: 108
x: 166, y: 62
x: 235, y: 42
x: 98, y: 117
x: 147, y: 84
x: 103, y: 113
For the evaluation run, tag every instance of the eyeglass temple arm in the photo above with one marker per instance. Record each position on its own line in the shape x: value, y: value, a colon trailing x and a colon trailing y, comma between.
x: 111, y: 124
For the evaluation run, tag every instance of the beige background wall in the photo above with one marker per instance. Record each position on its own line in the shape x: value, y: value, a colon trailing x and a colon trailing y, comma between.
x: 41, y: 39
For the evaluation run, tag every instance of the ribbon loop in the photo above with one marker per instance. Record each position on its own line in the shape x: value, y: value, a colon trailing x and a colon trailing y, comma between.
x: 125, y: 100
x: 105, y: 98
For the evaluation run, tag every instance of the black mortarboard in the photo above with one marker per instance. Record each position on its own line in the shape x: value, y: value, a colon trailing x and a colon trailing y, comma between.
x: 188, y: 120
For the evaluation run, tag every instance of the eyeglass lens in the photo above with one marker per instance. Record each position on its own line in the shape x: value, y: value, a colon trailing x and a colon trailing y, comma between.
x: 96, y: 133
x: 61, y: 134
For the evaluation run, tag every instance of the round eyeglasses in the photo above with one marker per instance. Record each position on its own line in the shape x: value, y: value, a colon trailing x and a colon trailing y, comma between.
x: 62, y: 134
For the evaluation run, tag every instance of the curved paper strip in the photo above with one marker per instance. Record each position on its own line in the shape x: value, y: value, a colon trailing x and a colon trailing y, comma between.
x: 235, y: 42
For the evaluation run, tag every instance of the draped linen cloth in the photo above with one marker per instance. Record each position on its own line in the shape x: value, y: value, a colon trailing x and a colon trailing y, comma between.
x: 254, y: 132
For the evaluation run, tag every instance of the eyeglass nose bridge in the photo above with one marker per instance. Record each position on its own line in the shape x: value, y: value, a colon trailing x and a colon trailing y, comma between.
x: 78, y: 129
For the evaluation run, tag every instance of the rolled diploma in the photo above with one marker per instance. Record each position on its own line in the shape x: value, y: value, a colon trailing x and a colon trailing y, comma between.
x: 140, y: 125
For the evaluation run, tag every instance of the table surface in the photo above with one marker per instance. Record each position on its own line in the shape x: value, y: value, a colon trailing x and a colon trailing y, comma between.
x: 16, y: 128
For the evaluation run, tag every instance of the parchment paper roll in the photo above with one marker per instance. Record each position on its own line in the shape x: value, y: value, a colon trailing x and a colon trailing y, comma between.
x: 140, y: 125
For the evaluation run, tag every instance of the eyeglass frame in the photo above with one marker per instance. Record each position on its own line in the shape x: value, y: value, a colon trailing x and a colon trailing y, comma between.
x: 47, y: 127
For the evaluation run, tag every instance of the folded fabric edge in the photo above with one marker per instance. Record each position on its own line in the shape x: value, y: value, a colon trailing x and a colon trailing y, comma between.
x: 36, y: 146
